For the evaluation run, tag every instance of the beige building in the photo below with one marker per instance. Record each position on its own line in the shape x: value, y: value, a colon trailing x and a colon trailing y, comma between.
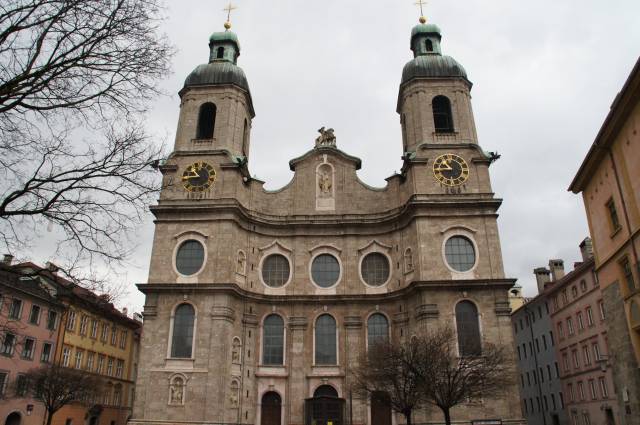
x: 259, y: 303
x: 609, y: 181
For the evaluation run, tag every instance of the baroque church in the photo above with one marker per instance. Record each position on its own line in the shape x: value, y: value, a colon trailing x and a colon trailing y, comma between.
x: 259, y: 303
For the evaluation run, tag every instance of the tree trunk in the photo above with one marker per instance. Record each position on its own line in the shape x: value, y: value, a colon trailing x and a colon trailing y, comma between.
x: 447, y: 415
x: 407, y: 416
x: 49, y: 416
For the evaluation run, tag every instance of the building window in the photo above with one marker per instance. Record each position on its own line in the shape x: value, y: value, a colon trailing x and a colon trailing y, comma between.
x: 123, y: 339
x: 325, y: 270
x: 110, y: 366
x: 220, y: 53
x: 273, y: 340
x: 206, y: 121
x: 572, y: 393
x: 100, y: 365
x: 114, y: 336
x: 580, y: 321
x: 565, y: 363
x: 8, y: 342
x: 429, y: 45
x: 15, y: 309
x: 377, y: 329
x: 3, y: 382
x: 90, y: 357
x: 442, y: 116
x: 596, y: 351
x: 276, y: 270
x: 190, y: 257
x: 570, y: 326
x: 182, y: 338
x: 592, y: 388
x: 468, y: 329
x: 71, y: 321
x: 66, y: 356
x: 583, y: 285
x: 613, y: 215
x: 586, y: 419
x: 589, y: 316
x: 628, y: 274
x: 78, y: 363
x: 117, y: 395
x: 375, y: 269
x: 603, y: 387
x: 34, y: 316
x: 21, y: 385
x: 560, y: 330
x: 45, y: 357
x: 576, y: 361
x: 52, y: 319
x: 104, y: 335
x: 544, y: 342
x: 460, y: 253
x: 325, y: 340
x: 119, y: 368
x: 587, y: 355
x: 28, y: 348
x: 84, y: 322
x: 94, y: 328
x: 581, y: 390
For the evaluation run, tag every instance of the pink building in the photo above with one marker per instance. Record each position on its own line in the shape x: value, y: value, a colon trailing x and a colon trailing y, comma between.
x: 578, y: 319
x: 29, y: 326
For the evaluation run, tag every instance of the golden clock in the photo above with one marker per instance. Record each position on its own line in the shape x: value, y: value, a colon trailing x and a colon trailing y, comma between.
x: 198, y: 177
x: 450, y: 169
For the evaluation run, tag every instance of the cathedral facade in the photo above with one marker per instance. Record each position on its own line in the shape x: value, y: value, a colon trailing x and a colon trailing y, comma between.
x: 259, y: 303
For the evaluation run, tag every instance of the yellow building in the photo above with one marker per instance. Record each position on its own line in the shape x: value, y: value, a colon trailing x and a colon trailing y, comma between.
x: 609, y: 181
x: 98, y: 338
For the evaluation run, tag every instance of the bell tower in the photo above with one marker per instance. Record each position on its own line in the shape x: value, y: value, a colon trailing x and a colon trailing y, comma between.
x: 434, y: 102
x: 216, y: 108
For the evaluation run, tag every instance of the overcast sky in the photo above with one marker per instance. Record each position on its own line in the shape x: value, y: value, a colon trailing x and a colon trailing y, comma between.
x: 545, y: 73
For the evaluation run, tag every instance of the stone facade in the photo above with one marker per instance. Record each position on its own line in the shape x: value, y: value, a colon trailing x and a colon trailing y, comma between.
x: 325, y: 209
x: 609, y: 181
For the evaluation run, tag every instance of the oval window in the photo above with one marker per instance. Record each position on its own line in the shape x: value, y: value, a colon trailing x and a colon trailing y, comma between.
x: 190, y: 257
x: 461, y: 256
x: 325, y: 270
x: 375, y: 269
x: 275, y: 270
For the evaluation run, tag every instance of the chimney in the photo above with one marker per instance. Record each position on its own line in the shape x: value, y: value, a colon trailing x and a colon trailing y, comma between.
x: 52, y: 267
x: 125, y: 311
x: 7, y: 260
x: 557, y: 269
x: 586, y: 249
x: 542, y: 278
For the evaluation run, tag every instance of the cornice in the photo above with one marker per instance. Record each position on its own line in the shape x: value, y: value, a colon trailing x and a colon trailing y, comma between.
x: 356, y: 298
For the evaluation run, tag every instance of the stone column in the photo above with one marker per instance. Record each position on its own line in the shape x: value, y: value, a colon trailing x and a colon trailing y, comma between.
x: 219, y: 364
x: 297, y: 360
x: 354, y: 346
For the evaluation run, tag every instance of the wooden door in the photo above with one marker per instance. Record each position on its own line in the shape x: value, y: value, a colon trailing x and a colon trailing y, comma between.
x: 271, y: 409
x: 380, y: 409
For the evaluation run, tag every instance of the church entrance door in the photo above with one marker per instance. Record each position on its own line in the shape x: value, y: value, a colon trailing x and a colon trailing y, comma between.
x: 271, y: 409
x: 13, y: 419
x: 325, y: 408
x: 380, y: 409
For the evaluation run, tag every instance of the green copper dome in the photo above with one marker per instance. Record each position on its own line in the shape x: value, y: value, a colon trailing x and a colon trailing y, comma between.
x: 217, y: 72
x: 228, y: 36
x: 224, y: 49
x: 432, y: 66
x: 425, y: 29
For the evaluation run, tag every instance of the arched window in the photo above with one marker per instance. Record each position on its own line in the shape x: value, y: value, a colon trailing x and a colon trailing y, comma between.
x: 442, y: 116
x: 377, y: 329
x: 429, y: 45
x: 468, y: 329
x: 182, y: 338
x: 325, y: 342
x: 325, y: 391
x: 273, y: 340
x: 206, y: 121
x: 220, y: 53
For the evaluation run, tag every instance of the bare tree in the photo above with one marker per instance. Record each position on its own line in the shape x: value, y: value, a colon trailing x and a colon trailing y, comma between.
x: 76, y: 77
x: 56, y: 386
x: 386, y: 371
x: 449, y: 380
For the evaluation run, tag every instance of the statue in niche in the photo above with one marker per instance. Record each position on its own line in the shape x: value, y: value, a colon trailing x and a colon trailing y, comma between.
x: 176, y: 391
x: 326, y: 137
x: 235, y: 351
x: 233, y: 396
x: 324, y: 182
x: 242, y: 259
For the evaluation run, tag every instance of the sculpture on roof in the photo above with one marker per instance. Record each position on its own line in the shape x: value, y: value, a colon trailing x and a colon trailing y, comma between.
x: 326, y: 137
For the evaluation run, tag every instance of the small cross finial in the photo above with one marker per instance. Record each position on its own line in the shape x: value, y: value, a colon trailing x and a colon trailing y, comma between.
x: 421, y: 3
x: 230, y: 7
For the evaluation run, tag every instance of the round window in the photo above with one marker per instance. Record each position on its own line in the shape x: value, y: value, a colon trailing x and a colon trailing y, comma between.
x: 460, y: 253
x: 325, y: 270
x: 275, y: 270
x: 190, y: 257
x: 375, y: 269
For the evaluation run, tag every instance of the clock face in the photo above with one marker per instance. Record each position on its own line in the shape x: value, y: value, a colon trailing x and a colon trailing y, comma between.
x: 450, y: 169
x: 198, y: 177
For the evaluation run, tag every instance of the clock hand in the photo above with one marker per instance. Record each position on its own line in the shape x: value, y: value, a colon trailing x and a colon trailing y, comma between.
x: 444, y: 166
x: 190, y: 176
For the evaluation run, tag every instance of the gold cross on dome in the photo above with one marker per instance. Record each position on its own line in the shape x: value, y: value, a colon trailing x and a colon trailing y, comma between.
x: 421, y: 3
x: 228, y: 9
